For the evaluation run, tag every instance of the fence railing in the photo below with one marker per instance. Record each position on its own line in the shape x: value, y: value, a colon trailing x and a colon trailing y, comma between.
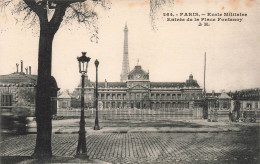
x: 133, y: 113
x: 119, y: 113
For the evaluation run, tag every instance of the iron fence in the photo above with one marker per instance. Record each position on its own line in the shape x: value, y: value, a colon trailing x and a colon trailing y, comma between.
x: 130, y: 113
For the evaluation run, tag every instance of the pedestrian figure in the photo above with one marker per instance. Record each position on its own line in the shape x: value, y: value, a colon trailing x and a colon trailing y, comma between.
x: 212, y: 115
x: 230, y: 116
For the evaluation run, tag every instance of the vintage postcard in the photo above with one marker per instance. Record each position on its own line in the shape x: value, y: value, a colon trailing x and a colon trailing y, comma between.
x: 129, y: 81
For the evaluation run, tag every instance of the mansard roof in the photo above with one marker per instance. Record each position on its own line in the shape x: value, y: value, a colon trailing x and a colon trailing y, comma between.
x: 18, y: 78
x: 112, y: 84
x: 22, y: 79
x: 167, y: 84
x: 191, y: 83
x: 213, y: 94
x: 247, y: 94
x: 89, y: 83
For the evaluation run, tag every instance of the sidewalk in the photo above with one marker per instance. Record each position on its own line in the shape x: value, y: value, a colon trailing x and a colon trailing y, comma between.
x: 149, y: 126
x: 73, y: 130
x: 54, y: 159
x: 71, y: 126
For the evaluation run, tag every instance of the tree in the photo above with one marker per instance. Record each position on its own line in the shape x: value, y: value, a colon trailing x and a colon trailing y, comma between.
x: 156, y: 9
x: 39, y: 10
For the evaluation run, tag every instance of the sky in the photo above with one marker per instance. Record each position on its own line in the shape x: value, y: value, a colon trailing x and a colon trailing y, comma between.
x: 171, y: 53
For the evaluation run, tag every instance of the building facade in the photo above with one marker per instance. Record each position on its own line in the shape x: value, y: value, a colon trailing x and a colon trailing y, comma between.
x: 139, y: 92
x: 64, y: 100
x: 219, y: 101
x: 135, y: 90
x: 248, y: 98
x: 18, y: 89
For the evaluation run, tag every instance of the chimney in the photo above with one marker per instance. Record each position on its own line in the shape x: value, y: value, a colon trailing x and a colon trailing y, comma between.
x: 26, y: 70
x: 21, y: 66
x: 30, y: 68
x: 17, y: 65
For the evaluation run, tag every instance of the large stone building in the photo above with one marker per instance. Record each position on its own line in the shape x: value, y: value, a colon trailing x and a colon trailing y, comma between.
x: 18, y: 89
x: 137, y: 91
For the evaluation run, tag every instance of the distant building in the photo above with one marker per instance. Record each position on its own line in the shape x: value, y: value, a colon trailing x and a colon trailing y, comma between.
x: 19, y: 89
x: 137, y: 91
x: 249, y: 98
x: 220, y: 101
x: 224, y: 101
x: 212, y: 99
x: 64, y: 100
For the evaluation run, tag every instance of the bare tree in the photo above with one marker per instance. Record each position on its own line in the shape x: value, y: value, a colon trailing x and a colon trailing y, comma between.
x: 156, y: 9
x: 39, y: 10
x: 60, y: 10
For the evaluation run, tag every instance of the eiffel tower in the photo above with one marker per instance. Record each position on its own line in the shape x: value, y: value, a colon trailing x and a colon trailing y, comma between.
x: 125, y: 65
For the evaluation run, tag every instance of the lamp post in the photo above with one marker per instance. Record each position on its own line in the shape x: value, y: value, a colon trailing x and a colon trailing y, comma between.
x: 83, y: 66
x: 96, y: 127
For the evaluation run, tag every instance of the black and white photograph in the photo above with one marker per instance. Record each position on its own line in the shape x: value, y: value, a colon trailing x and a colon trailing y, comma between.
x: 130, y: 81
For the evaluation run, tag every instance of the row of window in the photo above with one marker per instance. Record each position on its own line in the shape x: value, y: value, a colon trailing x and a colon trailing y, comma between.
x: 145, y: 95
x: 142, y: 96
x: 153, y: 105
x: 250, y: 105
x: 6, y: 100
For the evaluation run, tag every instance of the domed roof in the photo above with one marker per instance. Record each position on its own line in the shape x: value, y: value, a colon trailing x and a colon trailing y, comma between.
x: 138, y: 74
x: 138, y: 70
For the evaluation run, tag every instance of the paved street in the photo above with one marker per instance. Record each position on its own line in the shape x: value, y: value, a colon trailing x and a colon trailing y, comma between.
x: 111, y: 126
x: 225, y: 147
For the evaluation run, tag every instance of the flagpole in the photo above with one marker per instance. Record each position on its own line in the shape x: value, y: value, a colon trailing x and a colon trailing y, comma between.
x: 205, y: 109
x: 204, y: 74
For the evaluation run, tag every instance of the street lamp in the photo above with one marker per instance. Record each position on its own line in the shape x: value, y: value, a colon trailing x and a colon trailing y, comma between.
x: 83, y: 66
x: 96, y: 127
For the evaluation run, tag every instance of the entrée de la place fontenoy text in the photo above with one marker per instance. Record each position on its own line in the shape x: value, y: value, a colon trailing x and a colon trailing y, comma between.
x: 207, y: 17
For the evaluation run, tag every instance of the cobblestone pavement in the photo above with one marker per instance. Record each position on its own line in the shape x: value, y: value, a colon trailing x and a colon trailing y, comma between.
x: 228, y: 147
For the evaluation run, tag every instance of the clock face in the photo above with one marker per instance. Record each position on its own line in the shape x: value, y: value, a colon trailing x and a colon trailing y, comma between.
x: 138, y: 76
